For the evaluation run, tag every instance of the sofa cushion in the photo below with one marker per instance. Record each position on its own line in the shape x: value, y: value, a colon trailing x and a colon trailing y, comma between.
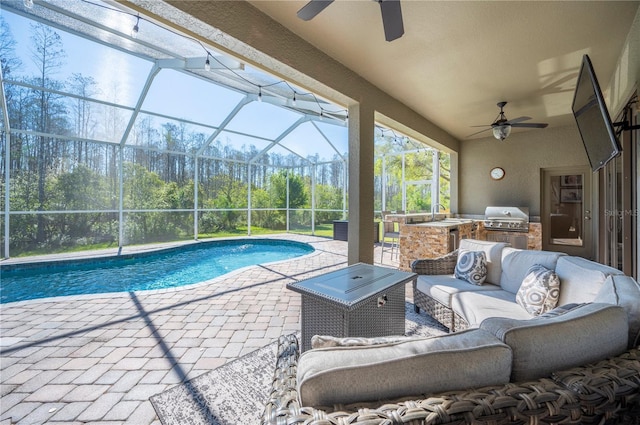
x: 546, y: 344
x: 560, y: 310
x: 493, y: 251
x: 474, y: 307
x: 581, y: 279
x: 624, y: 291
x: 442, y: 287
x: 343, y: 375
x: 471, y: 266
x: 539, y: 290
x: 517, y: 262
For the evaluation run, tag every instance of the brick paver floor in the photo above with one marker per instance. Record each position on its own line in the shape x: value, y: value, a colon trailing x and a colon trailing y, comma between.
x: 97, y: 359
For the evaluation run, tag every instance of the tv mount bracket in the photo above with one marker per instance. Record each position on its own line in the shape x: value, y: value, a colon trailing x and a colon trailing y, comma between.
x: 624, y: 124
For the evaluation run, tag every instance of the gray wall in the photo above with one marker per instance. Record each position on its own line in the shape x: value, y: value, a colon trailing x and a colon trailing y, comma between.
x: 522, y: 155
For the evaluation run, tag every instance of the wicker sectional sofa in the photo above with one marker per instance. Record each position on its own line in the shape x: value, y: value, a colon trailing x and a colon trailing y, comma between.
x: 578, y: 363
x: 458, y: 304
x: 603, y: 392
x: 568, y: 366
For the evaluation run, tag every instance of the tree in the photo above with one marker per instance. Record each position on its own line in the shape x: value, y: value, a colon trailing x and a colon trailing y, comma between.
x: 84, y: 123
x: 329, y: 198
x: 262, y: 214
x: 278, y: 190
x: 8, y: 59
x: 80, y: 189
x: 9, y: 63
x: 230, y: 194
x: 48, y: 55
x: 142, y: 188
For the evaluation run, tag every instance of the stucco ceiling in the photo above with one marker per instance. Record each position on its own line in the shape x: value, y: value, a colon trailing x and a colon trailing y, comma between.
x: 457, y: 59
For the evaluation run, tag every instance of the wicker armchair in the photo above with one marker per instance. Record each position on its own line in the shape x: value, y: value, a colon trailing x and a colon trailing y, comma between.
x: 607, y: 392
x: 443, y: 314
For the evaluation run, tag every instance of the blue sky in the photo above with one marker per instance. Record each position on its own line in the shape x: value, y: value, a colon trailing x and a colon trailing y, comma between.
x: 121, y: 78
x: 108, y: 66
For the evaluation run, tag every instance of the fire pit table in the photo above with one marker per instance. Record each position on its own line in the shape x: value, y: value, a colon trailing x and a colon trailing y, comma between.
x: 360, y: 300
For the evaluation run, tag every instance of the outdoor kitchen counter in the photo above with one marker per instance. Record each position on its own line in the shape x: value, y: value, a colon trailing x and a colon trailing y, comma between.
x: 437, y: 238
x: 433, y: 239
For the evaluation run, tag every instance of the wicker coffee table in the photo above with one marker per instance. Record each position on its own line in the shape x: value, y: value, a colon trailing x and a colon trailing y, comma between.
x: 360, y: 300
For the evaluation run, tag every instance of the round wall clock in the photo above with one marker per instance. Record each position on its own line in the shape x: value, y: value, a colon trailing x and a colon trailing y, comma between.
x: 497, y: 173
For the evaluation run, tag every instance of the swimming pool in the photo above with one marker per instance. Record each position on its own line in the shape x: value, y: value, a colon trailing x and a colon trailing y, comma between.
x: 160, y: 269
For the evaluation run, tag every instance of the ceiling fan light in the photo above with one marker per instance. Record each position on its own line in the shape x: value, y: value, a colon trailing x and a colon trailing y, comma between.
x: 501, y: 132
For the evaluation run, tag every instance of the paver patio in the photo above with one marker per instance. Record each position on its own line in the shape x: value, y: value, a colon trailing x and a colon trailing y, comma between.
x: 98, y: 358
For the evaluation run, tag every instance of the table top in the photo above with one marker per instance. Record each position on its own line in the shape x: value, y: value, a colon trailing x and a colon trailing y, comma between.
x: 352, y: 285
x: 416, y: 214
x: 410, y: 217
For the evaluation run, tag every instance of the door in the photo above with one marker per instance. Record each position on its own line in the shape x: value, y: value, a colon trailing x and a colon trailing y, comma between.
x: 567, y: 224
x: 618, y: 190
x: 614, y: 222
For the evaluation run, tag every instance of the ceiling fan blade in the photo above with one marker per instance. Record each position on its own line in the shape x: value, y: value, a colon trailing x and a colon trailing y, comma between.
x: 517, y: 120
x: 530, y: 125
x: 478, y: 132
x: 311, y: 9
x: 391, y: 19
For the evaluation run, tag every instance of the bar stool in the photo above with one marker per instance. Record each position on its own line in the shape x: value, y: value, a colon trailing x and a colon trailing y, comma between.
x: 389, y: 231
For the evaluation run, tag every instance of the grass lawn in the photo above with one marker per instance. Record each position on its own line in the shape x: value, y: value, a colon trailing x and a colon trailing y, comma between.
x: 322, y: 230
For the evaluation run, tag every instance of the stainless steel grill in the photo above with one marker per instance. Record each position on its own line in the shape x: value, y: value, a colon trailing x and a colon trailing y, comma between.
x: 509, y: 219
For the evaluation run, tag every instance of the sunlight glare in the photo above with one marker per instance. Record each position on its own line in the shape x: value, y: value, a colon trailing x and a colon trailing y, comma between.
x: 125, y: 83
x: 558, y: 76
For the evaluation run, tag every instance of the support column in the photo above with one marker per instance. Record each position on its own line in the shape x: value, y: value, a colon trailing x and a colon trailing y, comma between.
x: 361, y: 149
x: 249, y: 204
x: 120, y: 197
x: 196, y: 231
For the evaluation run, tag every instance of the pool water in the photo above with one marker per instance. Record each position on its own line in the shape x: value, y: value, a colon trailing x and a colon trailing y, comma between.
x: 137, y: 272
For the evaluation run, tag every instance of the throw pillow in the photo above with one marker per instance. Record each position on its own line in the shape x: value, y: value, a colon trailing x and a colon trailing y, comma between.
x: 539, y: 291
x: 471, y: 266
x: 326, y: 341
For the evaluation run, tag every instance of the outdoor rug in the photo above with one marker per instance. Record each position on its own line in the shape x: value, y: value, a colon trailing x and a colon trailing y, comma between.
x: 235, y: 393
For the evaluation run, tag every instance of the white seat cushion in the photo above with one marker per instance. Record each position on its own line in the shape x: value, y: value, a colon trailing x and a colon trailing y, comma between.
x: 442, y: 287
x: 474, y: 307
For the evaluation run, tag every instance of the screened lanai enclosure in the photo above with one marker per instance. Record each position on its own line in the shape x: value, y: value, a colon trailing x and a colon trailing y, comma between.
x: 117, y: 130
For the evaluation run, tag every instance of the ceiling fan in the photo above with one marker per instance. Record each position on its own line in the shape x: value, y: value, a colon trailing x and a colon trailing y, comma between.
x: 502, y: 126
x: 391, y: 15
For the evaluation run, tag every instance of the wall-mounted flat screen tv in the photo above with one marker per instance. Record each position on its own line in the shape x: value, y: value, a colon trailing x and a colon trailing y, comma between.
x: 593, y: 119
